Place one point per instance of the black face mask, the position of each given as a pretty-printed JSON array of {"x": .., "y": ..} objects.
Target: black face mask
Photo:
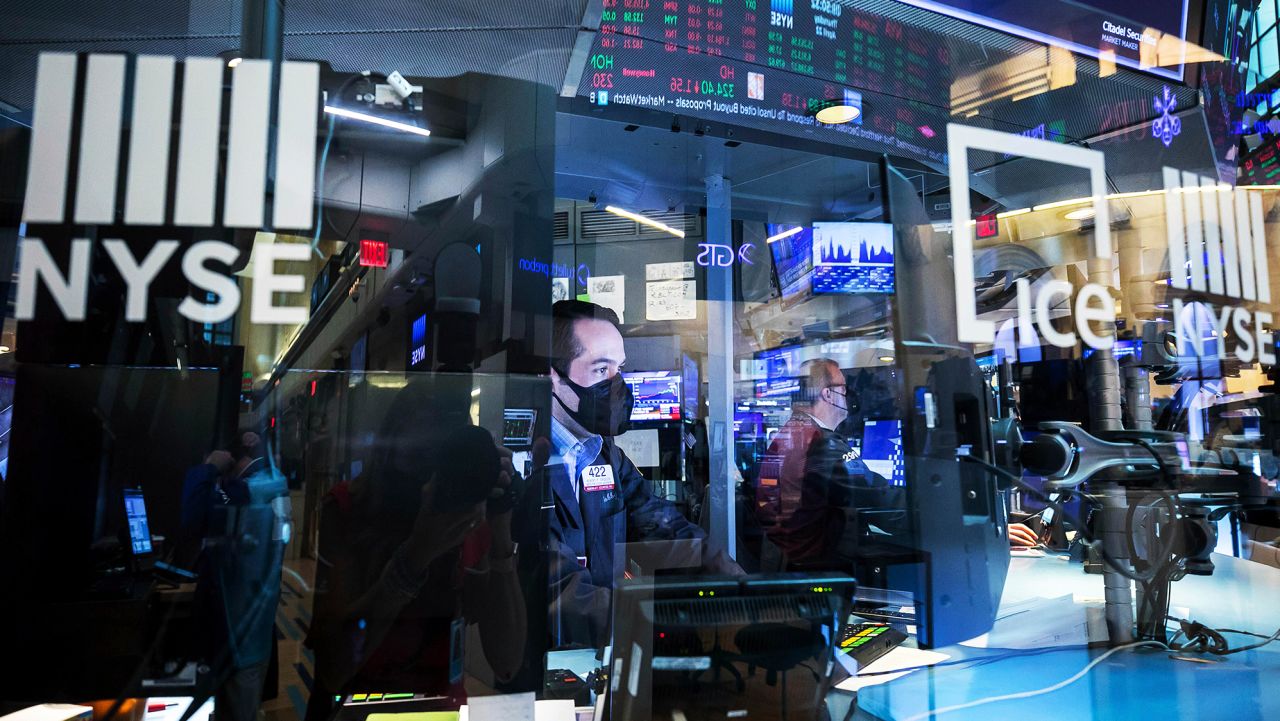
[{"x": 603, "y": 408}]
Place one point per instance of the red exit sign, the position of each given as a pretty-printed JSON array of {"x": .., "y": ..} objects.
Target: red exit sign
[
  {"x": 988, "y": 226},
  {"x": 373, "y": 253}
]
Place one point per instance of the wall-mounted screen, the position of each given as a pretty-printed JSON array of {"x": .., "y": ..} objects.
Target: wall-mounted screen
[
  {"x": 418, "y": 342},
  {"x": 692, "y": 384},
  {"x": 852, "y": 258},
  {"x": 792, "y": 250},
  {"x": 657, "y": 395},
  {"x": 781, "y": 372}
]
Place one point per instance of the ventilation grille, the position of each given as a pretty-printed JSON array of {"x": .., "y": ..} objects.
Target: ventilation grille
[
  {"x": 602, "y": 225},
  {"x": 561, "y": 231}
]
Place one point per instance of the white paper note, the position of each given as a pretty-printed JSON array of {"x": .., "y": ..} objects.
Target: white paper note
[
  {"x": 899, "y": 658},
  {"x": 671, "y": 300},
  {"x": 669, "y": 271},
  {"x": 610, "y": 291},
  {"x": 506, "y": 707},
  {"x": 641, "y": 447}
]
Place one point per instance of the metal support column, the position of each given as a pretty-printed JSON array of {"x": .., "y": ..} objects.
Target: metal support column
[
  {"x": 1103, "y": 379},
  {"x": 719, "y": 371}
]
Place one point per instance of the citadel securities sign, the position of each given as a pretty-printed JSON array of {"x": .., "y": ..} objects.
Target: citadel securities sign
[
  {"x": 1217, "y": 246},
  {"x": 147, "y": 181}
]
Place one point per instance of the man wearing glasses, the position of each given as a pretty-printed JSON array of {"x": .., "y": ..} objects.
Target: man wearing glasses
[{"x": 810, "y": 478}]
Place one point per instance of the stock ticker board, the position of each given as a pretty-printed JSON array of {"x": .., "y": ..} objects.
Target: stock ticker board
[{"x": 768, "y": 63}]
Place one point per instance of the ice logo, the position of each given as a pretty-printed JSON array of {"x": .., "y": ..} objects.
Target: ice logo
[{"x": 1166, "y": 126}]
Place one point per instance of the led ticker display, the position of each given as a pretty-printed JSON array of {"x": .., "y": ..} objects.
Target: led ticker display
[
  {"x": 1262, "y": 166},
  {"x": 769, "y": 64}
]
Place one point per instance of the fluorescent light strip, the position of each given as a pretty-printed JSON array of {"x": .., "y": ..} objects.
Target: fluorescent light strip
[
  {"x": 784, "y": 234},
  {"x": 375, "y": 120},
  {"x": 1011, "y": 213},
  {"x": 644, "y": 221}
]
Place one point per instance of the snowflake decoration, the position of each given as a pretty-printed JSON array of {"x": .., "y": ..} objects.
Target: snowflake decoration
[{"x": 1166, "y": 126}]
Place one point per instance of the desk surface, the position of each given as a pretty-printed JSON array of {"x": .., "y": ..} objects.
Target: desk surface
[{"x": 1131, "y": 684}]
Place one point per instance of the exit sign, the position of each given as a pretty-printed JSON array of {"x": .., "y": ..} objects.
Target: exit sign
[
  {"x": 988, "y": 226},
  {"x": 373, "y": 253}
]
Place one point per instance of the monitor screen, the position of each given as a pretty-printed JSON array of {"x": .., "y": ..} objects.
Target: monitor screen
[
  {"x": 418, "y": 342},
  {"x": 852, "y": 258},
  {"x": 517, "y": 426},
  {"x": 882, "y": 450},
  {"x": 791, "y": 249},
  {"x": 135, "y": 511},
  {"x": 689, "y": 377},
  {"x": 781, "y": 372},
  {"x": 657, "y": 395}
]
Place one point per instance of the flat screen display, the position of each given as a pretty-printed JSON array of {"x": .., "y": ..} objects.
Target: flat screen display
[
  {"x": 792, "y": 254},
  {"x": 135, "y": 511},
  {"x": 517, "y": 426},
  {"x": 852, "y": 258},
  {"x": 418, "y": 342},
  {"x": 882, "y": 450},
  {"x": 689, "y": 377},
  {"x": 781, "y": 371},
  {"x": 657, "y": 395}
]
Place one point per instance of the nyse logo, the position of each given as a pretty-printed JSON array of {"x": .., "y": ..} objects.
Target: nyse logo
[
  {"x": 91, "y": 185},
  {"x": 782, "y": 13},
  {"x": 1217, "y": 244}
]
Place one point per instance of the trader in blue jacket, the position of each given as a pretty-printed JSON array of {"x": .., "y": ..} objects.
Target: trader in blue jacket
[{"x": 600, "y": 498}]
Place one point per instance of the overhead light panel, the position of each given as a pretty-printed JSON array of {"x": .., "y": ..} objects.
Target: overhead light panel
[
  {"x": 642, "y": 220},
  {"x": 375, "y": 120},
  {"x": 1080, "y": 214},
  {"x": 784, "y": 234}
]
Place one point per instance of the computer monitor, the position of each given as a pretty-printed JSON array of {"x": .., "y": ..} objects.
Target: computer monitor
[
  {"x": 135, "y": 511},
  {"x": 517, "y": 426},
  {"x": 657, "y": 395},
  {"x": 853, "y": 258},
  {"x": 791, "y": 249},
  {"x": 685, "y": 646},
  {"x": 882, "y": 450},
  {"x": 692, "y": 385},
  {"x": 781, "y": 372}
]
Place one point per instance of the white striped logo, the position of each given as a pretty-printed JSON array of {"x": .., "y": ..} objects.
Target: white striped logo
[
  {"x": 102, "y": 110},
  {"x": 1217, "y": 242},
  {"x": 1217, "y": 245}
]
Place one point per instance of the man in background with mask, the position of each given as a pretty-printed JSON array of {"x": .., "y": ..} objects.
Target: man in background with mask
[
  {"x": 600, "y": 498},
  {"x": 810, "y": 479}
]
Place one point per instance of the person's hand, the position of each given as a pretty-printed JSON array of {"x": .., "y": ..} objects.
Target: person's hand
[
  {"x": 220, "y": 460},
  {"x": 1022, "y": 536},
  {"x": 435, "y": 532}
]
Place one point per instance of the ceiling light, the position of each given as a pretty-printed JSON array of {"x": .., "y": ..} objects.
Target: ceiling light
[
  {"x": 836, "y": 112},
  {"x": 644, "y": 221},
  {"x": 784, "y": 234},
  {"x": 234, "y": 62},
  {"x": 4, "y": 349},
  {"x": 1080, "y": 214},
  {"x": 886, "y": 359},
  {"x": 475, "y": 392},
  {"x": 375, "y": 120}
]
